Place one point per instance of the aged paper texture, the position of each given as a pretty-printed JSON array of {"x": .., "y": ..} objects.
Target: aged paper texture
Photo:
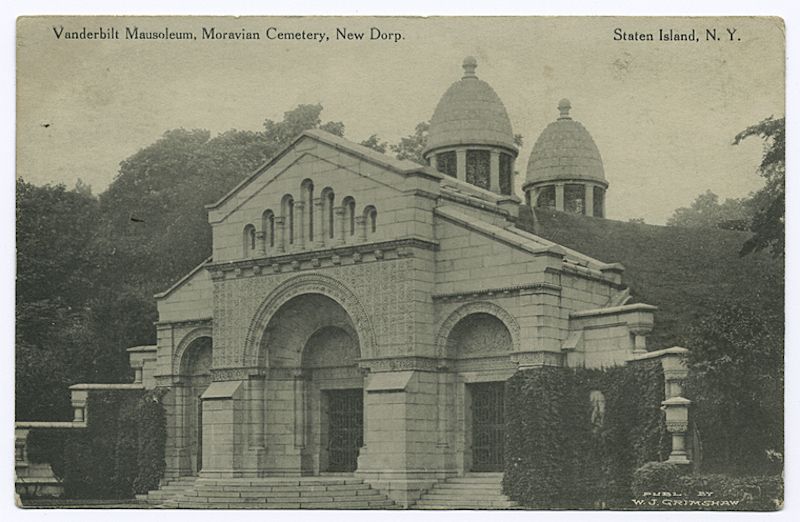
[{"x": 400, "y": 263}]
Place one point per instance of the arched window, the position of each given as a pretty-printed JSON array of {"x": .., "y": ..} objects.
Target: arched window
[
  {"x": 327, "y": 212},
  {"x": 349, "y": 205},
  {"x": 287, "y": 209},
  {"x": 249, "y": 241},
  {"x": 370, "y": 219},
  {"x": 329, "y": 202},
  {"x": 268, "y": 224},
  {"x": 307, "y": 189}
]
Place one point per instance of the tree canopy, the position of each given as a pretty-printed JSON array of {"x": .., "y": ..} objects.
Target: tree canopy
[
  {"x": 769, "y": 203},
  {"x": 707, "y": 212}
]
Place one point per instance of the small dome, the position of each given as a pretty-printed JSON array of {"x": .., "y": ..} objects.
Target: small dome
[
  {"x": 565, "y": 151},
  {"x": 470, "y": 113}
]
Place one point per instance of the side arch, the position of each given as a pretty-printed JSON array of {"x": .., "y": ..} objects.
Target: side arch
[
  {"x": 185, "y": 342},
  {"x": 307, "y": 284},
  {"x": 484, "y": 307}
]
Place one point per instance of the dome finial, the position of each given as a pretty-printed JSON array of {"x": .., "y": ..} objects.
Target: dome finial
[
  {"x": 563, "y": 107},
  {"x": 469, "y": 65}
]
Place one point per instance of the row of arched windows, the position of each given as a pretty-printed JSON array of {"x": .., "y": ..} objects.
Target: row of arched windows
[{"x": 310, "y": 222}]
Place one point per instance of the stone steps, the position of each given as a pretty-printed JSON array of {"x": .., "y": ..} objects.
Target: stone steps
[
  {"x": 335, "y": 492},
  {"x": 473, "y": 491}
]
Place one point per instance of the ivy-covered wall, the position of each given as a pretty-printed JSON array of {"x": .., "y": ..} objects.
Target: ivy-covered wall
[
  {"x": 568, "y": 446},
  {"x": 120, "y": 452}
]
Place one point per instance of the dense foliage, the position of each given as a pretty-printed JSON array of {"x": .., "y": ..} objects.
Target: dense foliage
[
  {"x": 707, "y": 212},
  {"x": 762, "y": 213},
  {"x": 565, "y": 450},
  {"x": 119, "y": 453},
  {"x": 767, "y": 225},
  {"x": 737, "y": 385},
  {"x": 660, "y": 486}
]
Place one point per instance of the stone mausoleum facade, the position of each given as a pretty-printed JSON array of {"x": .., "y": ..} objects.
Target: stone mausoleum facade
[{"x": 359, "y": 314}]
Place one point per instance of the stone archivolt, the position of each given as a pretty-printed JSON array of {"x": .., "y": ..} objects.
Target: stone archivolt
[{"x": 307, "y": 284}]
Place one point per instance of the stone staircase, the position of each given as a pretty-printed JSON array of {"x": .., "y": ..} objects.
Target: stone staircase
[
  {"x": 336, "y": 492},
  {"x": 473, "y": 491},
  {"x": 167, "y": 490}
]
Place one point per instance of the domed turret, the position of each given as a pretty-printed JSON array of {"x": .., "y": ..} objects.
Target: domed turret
[
  {"x": 565, "y": 170},
  {"x": 470, "y": 135}
]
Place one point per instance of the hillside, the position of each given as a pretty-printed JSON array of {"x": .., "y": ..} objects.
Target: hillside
[{"x": 683, "y": 271}]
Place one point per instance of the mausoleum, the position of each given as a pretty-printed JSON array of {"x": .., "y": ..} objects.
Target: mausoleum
[{"x": 360, "y": 314}]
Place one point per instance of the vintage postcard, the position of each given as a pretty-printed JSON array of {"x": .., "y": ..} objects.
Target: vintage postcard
[{"x": 453, "y": 263}]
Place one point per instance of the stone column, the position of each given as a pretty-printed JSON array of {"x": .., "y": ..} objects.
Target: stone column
[
  {"x": 677, "y": 413},
  {"x": 589, "y": 197},
  {"x": 300, "y": 216},
  {"x": 494, "y": 171},
  {"x": 319, "y": 221},
  {"x": 340, "y": 218},
  {"x": 676, "y": 407},
  {"x": 560, "y": 197},
  {"x": 256, "y": 400},
  {"x": 461, "y": 164},
  {"x": 299, "y": 386},
  {"x": 280, "y": 227},
  {"x": 261, "y": 237},
  {"x": 361, "y": 228}
]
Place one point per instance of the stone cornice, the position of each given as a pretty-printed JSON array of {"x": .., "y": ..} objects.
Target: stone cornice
[
  {"x": 403, "y": 362},
  {"x": 508, "y": 291},
  {"x": 207, "y": 321},
  {"x": 311, "y": 259},
  {"x": 585, "y": 275}
]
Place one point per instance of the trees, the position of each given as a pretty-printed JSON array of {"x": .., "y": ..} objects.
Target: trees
[
  {"x": 707, "y": 212},
  {"x": 736, "y": 348},
  {"x": 762, "y": 213},
  {"x": 59, "y": 264},
  {"x": 767, "y": 224},
  {"x": 411, "y": 146},
  {"x": 737, "y": 383}
]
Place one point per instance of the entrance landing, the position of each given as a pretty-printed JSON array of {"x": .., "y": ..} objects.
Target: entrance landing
[{"x": 323, "y": 492}]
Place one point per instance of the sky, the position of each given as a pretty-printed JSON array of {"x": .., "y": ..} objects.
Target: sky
[{"x": 663, "y": 114}]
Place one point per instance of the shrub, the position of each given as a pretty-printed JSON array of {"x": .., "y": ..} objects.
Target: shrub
[
  {"x": 655, "y": 477},
  {"x": 46, "y": 446},
  {"x": 755, "y": 493},
  {"x": 119, "y": 453},
  {"x": 561, "y": 452},
  {"x": 151, "y": 418}
]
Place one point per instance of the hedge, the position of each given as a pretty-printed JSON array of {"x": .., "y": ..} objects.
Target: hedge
[
  {"x": 659, "y": 486},
  {"x": 557, "y": 457},
  {"x": 119, "y": 453}
]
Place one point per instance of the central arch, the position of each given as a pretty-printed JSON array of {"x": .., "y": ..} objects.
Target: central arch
[
  {"x": 254, "y": 355},
  {"x": 314, "y": 389}
]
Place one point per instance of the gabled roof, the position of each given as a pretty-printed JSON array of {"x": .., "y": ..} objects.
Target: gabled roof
[
  {"x": 521, "y": 239},
  {"x": 180, "y": 282},
  {"x": 402, "y": 167}
]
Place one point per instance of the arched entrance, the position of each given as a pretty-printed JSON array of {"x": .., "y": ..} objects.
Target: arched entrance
[
  {"x": 473, "y": 336},
  {"x": 195, "y": 376},
  {"x": 312, "y": 353}
]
